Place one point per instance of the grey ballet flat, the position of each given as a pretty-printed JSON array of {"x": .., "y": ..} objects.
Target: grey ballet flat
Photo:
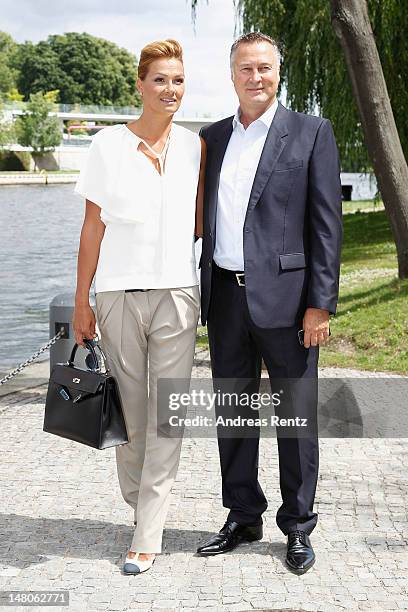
[{"x": 136, "y": 566}]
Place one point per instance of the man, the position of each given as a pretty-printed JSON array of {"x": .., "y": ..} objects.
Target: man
[{"x": 269, "y": 268}]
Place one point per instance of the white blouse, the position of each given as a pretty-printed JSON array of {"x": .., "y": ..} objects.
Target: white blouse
[{"x": 149, "y": 236}]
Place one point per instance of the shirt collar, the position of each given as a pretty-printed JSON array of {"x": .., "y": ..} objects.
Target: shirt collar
[
  {"x": 266, "y": 118},
  {"x": 132, "y": 134},
  {"x": 139, "y": 140}
]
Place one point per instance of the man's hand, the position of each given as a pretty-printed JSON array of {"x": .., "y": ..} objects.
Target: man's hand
[{"x": 316, "y": 326}]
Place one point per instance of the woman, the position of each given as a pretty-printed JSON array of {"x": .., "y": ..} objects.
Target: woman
[{"x": 143, "y": 184}]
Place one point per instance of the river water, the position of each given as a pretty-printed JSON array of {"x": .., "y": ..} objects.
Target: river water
[
  {"x": 39, "y": 238},
  {"x": 40, "y": 227}
]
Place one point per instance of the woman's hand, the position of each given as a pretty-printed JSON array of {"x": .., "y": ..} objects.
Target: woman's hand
[{"x": 83, "y": 322}]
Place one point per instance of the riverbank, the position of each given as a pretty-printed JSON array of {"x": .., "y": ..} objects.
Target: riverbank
[{"x": 41, "y": 178}]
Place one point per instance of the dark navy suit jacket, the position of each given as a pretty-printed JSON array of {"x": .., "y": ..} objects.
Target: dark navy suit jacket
[{"x": 293, "y": 227}]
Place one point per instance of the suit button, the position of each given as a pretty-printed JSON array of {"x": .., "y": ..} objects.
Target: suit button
[
  {"x": 209, "y": 264},
  {"x": 210, "y": 234},
  {"x": 247, "y": 231}
]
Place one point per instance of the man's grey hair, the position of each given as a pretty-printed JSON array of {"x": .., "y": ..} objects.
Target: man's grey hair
[{"x": 254, "y": 37}]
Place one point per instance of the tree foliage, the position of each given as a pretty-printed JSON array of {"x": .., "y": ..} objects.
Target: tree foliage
[
  {"x": 36, "y": 128},
  {"x": 8, "y": 72},
  {"x": 314, "y": 71},
  {"x": 6, "y": 129},
  {"x": 13, "y": 95},
  {"x": 85, "y": 69}
]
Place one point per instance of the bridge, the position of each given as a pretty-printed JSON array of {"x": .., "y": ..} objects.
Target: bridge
[
  {"x": 69, "y": 155},
  {"x": 92, "y": 114}
]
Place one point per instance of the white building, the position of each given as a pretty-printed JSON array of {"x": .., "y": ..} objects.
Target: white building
[{"x": 358, "y": 186}]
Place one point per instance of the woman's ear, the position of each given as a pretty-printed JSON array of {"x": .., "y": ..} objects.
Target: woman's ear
[{"x": 139, "y": 86}]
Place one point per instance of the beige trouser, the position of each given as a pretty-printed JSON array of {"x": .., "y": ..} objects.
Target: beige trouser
[{"x": 146, "y": 336}]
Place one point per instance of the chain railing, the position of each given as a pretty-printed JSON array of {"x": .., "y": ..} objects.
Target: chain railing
[
  {"x": 24, "y": 364},
  {"x": 27, "y": 362}
]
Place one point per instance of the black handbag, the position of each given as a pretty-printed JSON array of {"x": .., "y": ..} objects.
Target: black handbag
[{"x": 85, "y": 405}]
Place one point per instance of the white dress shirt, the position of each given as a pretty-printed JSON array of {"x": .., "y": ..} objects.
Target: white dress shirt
[
  {"x": 149, "y": 236},
  {"x": 238, "y": 170}
]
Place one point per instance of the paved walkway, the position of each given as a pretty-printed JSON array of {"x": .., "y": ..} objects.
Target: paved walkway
[{"x": 64, "y": 525}]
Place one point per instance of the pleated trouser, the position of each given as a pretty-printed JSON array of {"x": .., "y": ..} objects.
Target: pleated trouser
[{"x": 146, "y": 336}]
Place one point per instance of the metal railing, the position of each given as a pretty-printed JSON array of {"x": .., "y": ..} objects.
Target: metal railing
[
  {"x": 199, "y": 350},
  {"x": 98, "y": 109}
]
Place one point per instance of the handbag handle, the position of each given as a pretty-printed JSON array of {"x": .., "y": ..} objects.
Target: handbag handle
[{"x": 91, "y": 349}]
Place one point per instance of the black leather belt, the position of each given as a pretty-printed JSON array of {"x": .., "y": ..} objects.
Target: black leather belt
[
  {"x": 235, "y": 275},
  {"x": 131, "y": 290}
]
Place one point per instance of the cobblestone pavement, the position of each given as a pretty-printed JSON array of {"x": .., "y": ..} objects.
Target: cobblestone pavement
[{"x": 64, "y": 525}]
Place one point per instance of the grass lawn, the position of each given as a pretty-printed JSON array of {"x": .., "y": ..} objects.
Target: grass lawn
[
  {"x": 362, "y": 205},
  {"x": 370, "y": 329}
]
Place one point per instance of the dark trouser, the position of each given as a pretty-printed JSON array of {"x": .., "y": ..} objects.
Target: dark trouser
[{"x": 237, "y": 347}]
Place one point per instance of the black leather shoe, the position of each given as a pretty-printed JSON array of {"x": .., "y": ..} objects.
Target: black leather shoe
[
  {"x": 229, "y": 537},
  {"x": 300, "y": 556}
]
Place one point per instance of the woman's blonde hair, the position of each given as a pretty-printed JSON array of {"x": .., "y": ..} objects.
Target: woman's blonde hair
[{"x": 157, "y": 50}]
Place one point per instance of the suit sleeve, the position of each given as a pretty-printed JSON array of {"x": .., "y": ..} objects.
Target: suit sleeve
[
  {"x": 195, "y": 235},
  {"x": 325, "y": 221},
  {"x": 204, "y": 133}
]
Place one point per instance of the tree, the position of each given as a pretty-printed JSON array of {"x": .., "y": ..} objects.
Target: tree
[
  {"x": 352, "y": 25},
  {"x": 85, "y": 69},
  {"x": 6, "y": 130},
  {"x": 8, "y": 73},
  {"x": 344, "y": 87},
  {"x": 37, "y": 128}
]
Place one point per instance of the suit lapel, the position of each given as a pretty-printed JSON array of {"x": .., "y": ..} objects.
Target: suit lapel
[
  {"x": 274, "y": 144},
  {"x": 220, "y": 146}
]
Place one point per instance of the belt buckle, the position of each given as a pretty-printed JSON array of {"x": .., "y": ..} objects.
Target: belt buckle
[{"x": 238, "y": 277}]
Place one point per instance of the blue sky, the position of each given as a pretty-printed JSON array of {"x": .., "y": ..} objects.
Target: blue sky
[{"x": 132, "y": 24}]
